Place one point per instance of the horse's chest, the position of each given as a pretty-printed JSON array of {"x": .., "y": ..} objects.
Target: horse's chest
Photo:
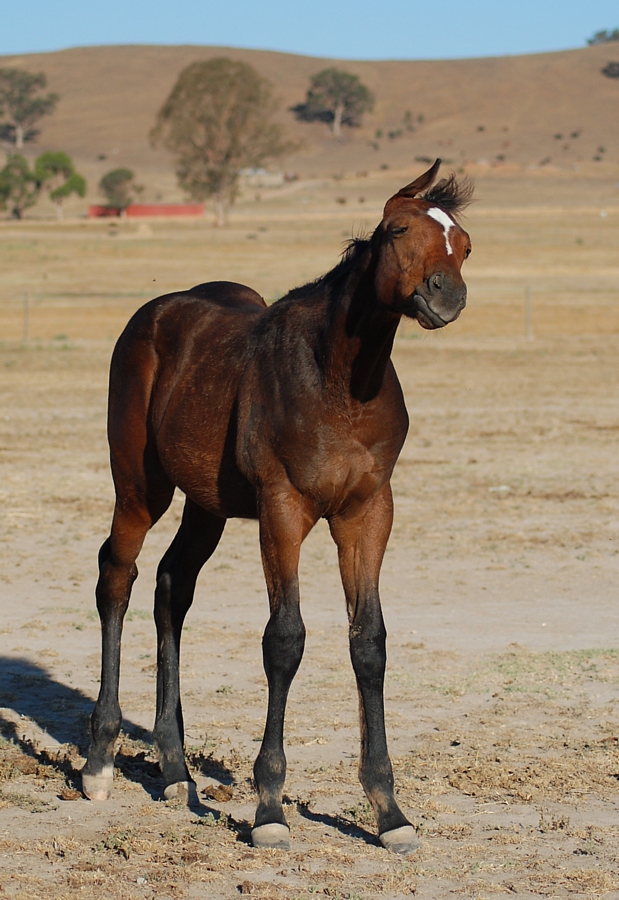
[
  {"x": 351, "y": 474},
  {"x": 334, "y": 469},
  {"x": 332, "y": 453}
]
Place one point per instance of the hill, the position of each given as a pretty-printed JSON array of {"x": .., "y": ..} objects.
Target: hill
[{"x": 552, "y": 109}]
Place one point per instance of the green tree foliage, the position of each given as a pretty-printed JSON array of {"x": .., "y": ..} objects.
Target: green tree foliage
[
  {"x": 337, "y": 97},
  {"x": 217, "y": 121},
  {"x": 603, "y": 37},
  {"x": 56, "y": 173},
  {"x": 119, "y": 188},
  {"x": 21, "y": 105},
  {"x": 19, "y": 188}
]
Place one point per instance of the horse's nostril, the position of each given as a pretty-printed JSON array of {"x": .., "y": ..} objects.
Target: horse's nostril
[{"x": 437, "y": 282}]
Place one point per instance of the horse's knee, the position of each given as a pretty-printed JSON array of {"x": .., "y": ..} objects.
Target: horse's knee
[
  {"x": 368, "y": 652},
  {"x": 284, "y": 641},
  {"x": 114, "y": 583}
]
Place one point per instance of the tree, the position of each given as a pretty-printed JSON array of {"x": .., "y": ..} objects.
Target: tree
[
  {"x": 218, "y": 120},
  {"x": 56, "y": 173},
  {"x": 119, "y": 188},
  {"x": 19, "y": 188},
  {"x": 611, "y": 70},
  {"x": 336, "y": 97},
  {"x": 603, "y": 37},
  {"x": 19, "y": 103}
]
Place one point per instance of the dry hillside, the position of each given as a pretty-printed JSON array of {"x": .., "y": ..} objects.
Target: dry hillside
[{"x": 553, "y": 108}]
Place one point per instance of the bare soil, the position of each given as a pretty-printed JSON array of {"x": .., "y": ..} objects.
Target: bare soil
[{"x": 499, "y": 586}]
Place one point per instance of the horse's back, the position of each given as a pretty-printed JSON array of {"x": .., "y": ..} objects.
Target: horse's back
[{"x": 228, "y": 295}]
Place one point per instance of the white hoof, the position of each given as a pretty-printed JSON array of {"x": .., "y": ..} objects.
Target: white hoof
[
  {"x": 275, "y": 836},
  {"x": 400, "y": 840},
  {"x": 184, "y": 791},
  {"x": 98, "y": 787}
]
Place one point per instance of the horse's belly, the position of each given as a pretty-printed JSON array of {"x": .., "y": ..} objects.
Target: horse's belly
[
  {"x": 233, "y": 504},
  {"x": 228, "y": 495},
  {"x": 206, "y": 471}
]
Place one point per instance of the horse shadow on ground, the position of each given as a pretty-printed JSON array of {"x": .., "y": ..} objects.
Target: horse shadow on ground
[
  {"x": 30, "y": 694},
  {"x": 344, "y": 826}
]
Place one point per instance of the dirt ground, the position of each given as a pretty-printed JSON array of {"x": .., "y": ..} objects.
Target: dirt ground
[{"x": 499, "y": 585}]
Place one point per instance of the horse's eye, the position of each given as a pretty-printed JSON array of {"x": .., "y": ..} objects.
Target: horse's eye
[
  {"x": 399, "y": 229},
  {"x": 467, "y": 253}
]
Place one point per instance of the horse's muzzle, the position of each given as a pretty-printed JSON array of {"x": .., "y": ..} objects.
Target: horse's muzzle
[{"x": 439, "y": 301}]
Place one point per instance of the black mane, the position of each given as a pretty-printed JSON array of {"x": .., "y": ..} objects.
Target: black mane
[
  {"x": 450, "y": 194},
  {"x": 353, "y": 251}
]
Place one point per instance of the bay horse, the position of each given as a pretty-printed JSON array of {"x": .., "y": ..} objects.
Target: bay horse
[{"x": 285, "y": 413}]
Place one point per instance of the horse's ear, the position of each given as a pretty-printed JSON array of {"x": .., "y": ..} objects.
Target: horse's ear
[{"x": 415, "y": 187}]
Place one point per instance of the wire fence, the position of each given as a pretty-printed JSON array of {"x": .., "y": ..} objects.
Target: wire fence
[{"x": 28, "y": 317}]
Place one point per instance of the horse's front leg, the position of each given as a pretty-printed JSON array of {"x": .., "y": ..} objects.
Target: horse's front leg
[
  {"x": 283, "y": 526},
  {"x": 361, "y": 536}
]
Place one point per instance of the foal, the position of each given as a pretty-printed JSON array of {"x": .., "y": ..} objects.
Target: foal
[{"x": 287, "y": 414}]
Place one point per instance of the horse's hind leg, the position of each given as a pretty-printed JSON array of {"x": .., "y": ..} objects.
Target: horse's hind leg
[
  {"x": 194, "y": 543},
  {"x": 361, "y": 537},
  {"x": 117, "y": 571}
]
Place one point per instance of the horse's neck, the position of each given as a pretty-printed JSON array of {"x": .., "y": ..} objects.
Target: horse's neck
[{"x": 361, "y": 337}]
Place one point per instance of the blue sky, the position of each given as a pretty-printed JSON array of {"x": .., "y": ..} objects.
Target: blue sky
[{"x": 345, "y": 29}]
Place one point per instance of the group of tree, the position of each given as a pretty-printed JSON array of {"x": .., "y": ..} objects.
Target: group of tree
[
  {"x": 53, "y": 173},
  {"x": 603, "y": 37},
  {"x": 218, "y": 120},
  {"x": 22, "y": 104}
]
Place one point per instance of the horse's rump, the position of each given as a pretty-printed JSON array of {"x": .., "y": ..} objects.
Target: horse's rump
[{"x": 173, "y": 379}]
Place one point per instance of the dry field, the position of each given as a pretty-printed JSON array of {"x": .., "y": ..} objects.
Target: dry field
[{"x": 499, "y": 585}]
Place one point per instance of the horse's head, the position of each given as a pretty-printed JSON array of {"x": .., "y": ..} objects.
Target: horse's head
[{"x": 421, "y": 249}]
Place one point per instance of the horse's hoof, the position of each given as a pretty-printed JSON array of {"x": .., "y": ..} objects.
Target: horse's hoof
[
  {"x": 98, "y": 787},
  {"x": 275, "y": 836},
  {"x": 184, "y": 791},
  {"x": 400, "y": 840}
]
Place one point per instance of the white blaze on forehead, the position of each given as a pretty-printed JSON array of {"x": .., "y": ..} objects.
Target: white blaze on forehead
[{"x": 443, "y": 219}]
